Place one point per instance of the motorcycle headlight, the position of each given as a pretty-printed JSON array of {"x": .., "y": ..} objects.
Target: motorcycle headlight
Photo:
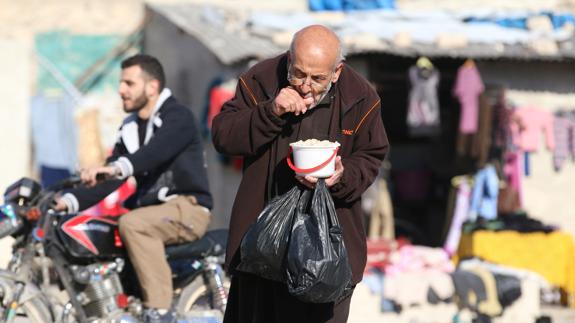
[{"x": 10, "y": 222}]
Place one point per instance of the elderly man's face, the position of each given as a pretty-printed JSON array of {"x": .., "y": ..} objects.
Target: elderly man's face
[{"x": 312, "y": 74}]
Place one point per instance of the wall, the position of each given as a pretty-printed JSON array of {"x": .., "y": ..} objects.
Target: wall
[
  {"x": 190, "y": 69},
  {"x": 15, "y": 143},
  {"x": 548, "y": 195}
]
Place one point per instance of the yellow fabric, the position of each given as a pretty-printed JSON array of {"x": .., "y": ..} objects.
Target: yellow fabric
[{"x": 551, "y": 255}]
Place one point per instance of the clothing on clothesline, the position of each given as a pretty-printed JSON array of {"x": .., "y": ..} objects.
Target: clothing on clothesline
[
  {"x": 512, "y": 171},
  {"x": 564, "y": 132},
  {"x": 381, "y": 224},
  {"x": 54, "y": 131},
  {"x": 535, "y": 121},
  {"x": 423, "y": 111},
  {"x": 468, "y": 87},
  {"x": 484, "y": 195},
  {"x": 526, "y": 163},
  {"x": 459, "y": 216},
  {"x": 218, "y": 96}
]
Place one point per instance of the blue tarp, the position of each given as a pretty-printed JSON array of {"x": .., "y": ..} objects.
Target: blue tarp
[
  {"x": 347, "y": 5},
  {"x": 423, "y": 28},
  {"x": 520, "y": 22}
]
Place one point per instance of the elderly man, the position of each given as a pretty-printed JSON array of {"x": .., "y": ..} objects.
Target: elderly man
[{"x": 308, "y": 92}]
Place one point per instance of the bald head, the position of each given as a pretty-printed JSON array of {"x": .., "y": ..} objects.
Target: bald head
[
  {"x": 314, "y": 62},
  {"x": 316, "y": 42}
]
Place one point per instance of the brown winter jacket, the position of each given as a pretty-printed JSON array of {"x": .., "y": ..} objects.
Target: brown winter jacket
[{"x": 247, "y": 127}]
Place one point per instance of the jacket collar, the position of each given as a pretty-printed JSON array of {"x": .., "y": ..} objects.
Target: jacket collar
[
  {"x": 155, "y": 118},
  {"x": 129, "y": 130},
  {"x": 347, "y": 88}
]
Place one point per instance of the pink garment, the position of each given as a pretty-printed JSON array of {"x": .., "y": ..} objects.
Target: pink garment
[
  {"x": 417, "y": 259},
  {"x": 535, "y": 121},
  {"x": 468, "y": 87}
]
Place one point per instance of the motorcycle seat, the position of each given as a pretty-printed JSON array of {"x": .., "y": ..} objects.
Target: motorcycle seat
[{"x": 213, "y": 243}]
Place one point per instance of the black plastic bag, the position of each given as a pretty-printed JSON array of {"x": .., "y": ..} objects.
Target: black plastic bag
[
  {"x": 318, "y": 270},
  {"x": 264, "y": 245}
]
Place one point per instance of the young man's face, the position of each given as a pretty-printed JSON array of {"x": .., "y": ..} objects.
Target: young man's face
[{"x": 133, "y": 89}]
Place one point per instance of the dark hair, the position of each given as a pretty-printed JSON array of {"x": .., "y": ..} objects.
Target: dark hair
[{"x": 148, "y": 64}]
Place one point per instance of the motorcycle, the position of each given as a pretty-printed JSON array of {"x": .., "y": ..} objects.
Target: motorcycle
[{"x": 74, "y": 268}]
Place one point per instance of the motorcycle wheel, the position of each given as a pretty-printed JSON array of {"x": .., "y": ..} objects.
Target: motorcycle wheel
[
  {"x": 32, "y": 310},
  {"x": 197, "y": 296}
]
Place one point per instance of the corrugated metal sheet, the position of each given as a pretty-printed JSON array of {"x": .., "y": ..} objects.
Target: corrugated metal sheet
[
  {"x": 476, "y": 51},
  {"x": 229, "y": 47},
  {"x": 255, "y": 34}
]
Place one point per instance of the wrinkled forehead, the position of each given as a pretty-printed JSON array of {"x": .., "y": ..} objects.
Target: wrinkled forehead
[{"x": 313, "y": 61}]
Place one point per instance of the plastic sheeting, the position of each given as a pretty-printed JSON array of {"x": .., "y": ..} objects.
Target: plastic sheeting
[{"x": 322, "y": 5}]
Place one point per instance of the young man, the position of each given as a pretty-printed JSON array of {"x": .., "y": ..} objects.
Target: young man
[
  {"x": 305, "y": 93},
  {"x": 160, "y": 145}
]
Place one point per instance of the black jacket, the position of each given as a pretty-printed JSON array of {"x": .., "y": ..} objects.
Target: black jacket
[{"x": 172, "y": 162}]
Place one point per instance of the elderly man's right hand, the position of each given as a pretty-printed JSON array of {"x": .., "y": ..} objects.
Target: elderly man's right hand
[{"x": 289, "y": 100}]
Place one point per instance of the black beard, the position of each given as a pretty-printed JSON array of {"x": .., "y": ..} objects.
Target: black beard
[{"x": 139, "y": 103}]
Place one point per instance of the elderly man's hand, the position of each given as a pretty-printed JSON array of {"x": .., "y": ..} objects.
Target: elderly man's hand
[
  {"x": 309, "y": 181},
  {"x": 289, "y": 100}
]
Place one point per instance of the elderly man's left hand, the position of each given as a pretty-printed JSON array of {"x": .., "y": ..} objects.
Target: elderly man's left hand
[{"x": 310, "y": 181}]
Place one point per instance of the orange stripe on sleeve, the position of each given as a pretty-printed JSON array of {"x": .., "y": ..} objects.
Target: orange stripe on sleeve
[
  {"x": 249, "y": 91},
  {"x": 365, "y": 116}
]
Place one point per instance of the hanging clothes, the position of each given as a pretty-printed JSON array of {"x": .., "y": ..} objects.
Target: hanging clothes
[
  {"x": 459, "y": 216},
  {"x": 423, "y": 110},
  {"x": 54, "y": 134},
  {"x": 381, "y": 224},
  {"x": 535, "y": 121},
  {"x": 484, "y": 196},
  {"x": 512, "y": 170},
  {"x": 564, "y": 133},
  {"x": 218, "y": 96},
  {"x": 468, "y": 87}
]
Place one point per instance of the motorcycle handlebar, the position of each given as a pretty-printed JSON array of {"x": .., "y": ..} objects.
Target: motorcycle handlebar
[
  {"x": 69, "y": 182},
  {"x": 76, "y": 180},
  {"x": 101, "y": 177}
]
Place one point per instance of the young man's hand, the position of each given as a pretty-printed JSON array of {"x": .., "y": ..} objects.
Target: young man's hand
[
  {"x": 88, "y": 175},
  {"x": 60, "y": 206}
]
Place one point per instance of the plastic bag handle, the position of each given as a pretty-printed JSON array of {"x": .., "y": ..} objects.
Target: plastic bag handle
[{"x": 309, "y": 170}]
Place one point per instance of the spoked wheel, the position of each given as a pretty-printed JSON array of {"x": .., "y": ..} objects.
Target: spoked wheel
[
  {"x": 33, "y": 310},
  {"x": 198, "y": 299}
]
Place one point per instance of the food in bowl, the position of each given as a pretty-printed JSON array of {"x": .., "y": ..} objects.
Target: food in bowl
[{"x": 315, "y": 143}]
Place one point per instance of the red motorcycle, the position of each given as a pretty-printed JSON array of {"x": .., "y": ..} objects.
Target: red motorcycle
[{"x": 74, "y": 268}]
